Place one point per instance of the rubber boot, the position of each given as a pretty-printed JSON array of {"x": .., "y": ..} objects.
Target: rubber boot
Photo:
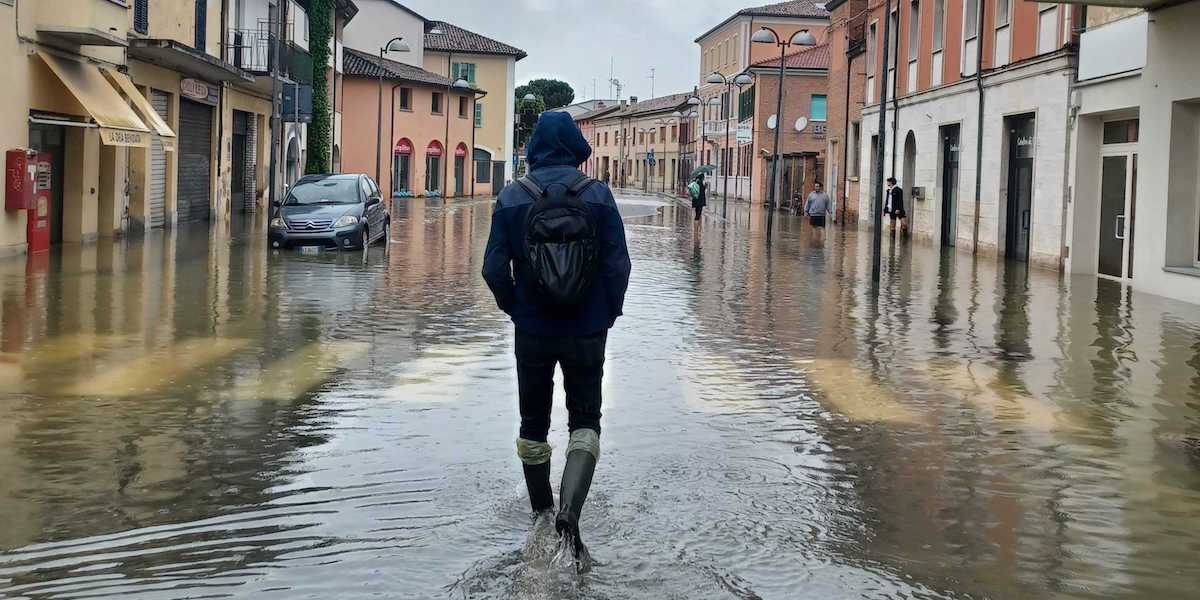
[
  {"x": 537, "y": 481},
  {"x": 576, "y": 481}
]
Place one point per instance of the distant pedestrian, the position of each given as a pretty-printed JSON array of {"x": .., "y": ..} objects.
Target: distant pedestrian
[
  {"x": 818, "y": 207},
  {"x": 894, "y": 206},
  {"x": 698, "y": 189},
  {"x": 557, "y": 263}
]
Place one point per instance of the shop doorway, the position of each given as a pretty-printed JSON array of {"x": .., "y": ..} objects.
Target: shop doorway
[
  {"x": 497, "y": 177},
  {"x": 1118, "y": 198},
  {"x": 195, "y": 162},
  {"x": 1019, "y": 212},
  {"x": 51, "y": 139},
  {"x": 950, "y": 152},
  {"x": 242, "y": 186}
]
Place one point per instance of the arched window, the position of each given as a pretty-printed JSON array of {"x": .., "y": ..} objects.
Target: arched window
[
  {"x": 402, "y": 166},
  {"x": 433, "y": 166},
  {"x": 483, "y": 165}
]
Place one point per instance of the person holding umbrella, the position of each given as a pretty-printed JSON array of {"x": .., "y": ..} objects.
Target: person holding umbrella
[{"x": 698, "y": 190}]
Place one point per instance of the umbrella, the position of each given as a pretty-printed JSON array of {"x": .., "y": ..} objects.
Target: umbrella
[{"x": 703, "y": 170}]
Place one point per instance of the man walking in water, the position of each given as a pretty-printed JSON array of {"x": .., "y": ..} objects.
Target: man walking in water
[
  {"x": 818, "y": 207},
  {"x": 557, "y": 263}
]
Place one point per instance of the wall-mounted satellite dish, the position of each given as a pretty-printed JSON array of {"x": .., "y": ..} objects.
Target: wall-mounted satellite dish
[
  {"x": 771, "y": 121},
  {"x": 801, "y": 123}
]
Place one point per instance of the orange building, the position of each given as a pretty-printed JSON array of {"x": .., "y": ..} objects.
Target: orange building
[{"x": 425, "y": 134}]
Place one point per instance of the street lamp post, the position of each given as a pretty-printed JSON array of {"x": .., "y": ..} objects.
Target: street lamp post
[
  {"x": 527, "y": 98},
  {"x": 664, "y": 123},
  {"x": 475, "y": 96},
  {"x": 396, "y": 44},
  {"x": 741, "y": 79},
  {"x": 766, "y": 35}
]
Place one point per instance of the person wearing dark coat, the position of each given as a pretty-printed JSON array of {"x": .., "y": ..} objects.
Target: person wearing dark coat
[
  {"x": 699, "y": 202},
  {"x": 895, "y": 205},
  {"x": 576, "y": 342}
]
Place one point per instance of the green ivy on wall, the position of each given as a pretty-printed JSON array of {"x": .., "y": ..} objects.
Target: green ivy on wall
[{"x": 320, "y": 131}]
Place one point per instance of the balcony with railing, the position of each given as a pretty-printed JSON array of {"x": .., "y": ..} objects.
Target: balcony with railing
[{"x": 255, "y": 48}]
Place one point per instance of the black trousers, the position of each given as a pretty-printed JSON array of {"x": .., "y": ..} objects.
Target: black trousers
[{"x": 582, "y": 361}]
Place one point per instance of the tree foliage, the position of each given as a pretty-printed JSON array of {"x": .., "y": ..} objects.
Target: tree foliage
[
  {"x": 528, "y": 112},
  {"x": 555, "y": 93},
  {"x": 320, "y": 131}
]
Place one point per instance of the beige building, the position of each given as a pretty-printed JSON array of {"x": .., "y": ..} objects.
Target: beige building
[
  {"x": 454, "y": 52},
  {"x": 146, "y": 114},
  {"x": 639, "y": 145}
]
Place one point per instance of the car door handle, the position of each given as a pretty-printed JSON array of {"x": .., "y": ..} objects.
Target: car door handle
[{"x": 1120, "y": 227}]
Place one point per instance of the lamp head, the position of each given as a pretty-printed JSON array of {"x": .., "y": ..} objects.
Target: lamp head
[
  {"x": 743, "y": 79},
  {"x": 715, "y": 78},
  {"x": 462, "y": 84},
  {"x": 529, "y": 98},
  {"x": 397, "y": 45},
  {"x": 804, "y": 38},
  {"x": 764, "y": 36},
  {"x": 694, "y": 101}
]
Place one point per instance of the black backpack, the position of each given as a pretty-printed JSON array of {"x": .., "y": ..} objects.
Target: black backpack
[{"x": 562, "y": 248}]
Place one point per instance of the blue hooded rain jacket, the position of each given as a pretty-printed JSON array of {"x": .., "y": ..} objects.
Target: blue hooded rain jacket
[{"x": 554, "y": 154}]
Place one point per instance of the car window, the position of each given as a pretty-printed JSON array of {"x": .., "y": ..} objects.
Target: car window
[
  {"x": 374, "y": 187},
  {"x": 366, "y": 187},
  {"x": 324, "y": 191}
]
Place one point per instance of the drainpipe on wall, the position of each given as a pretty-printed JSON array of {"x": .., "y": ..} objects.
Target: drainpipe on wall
[
  {"x": 1064, "y": 251},
  {"x": 978, "y": 128}
]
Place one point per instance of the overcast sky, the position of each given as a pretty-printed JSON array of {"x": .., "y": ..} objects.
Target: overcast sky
[{"x": 574, "y": 40}]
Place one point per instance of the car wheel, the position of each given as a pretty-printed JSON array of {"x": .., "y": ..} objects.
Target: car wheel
[{"x": 364, "y": 238}]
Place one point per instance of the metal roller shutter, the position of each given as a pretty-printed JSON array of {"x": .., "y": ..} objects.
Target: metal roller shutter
[
  {"x": 157, "y": 201},
  {"x": 195, "y": 162}
]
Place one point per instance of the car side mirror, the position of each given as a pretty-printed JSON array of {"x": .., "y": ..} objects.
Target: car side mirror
[
  {"x": 372, "y": 201},
  {"x": 276, "y": 203}
]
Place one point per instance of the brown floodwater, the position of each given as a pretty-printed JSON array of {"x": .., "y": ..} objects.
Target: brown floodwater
[{"x": 193, "y": 415}]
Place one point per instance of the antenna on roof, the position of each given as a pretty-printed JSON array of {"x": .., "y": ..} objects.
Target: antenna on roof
[{"x": 651, "y": 82}]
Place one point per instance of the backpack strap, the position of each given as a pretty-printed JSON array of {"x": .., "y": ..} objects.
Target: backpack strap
[
  {"x": 581, "y": 184},
  {"x": 532, "y": 187}
]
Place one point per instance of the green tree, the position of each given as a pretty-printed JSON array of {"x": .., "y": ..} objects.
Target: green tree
[
  {"x": 527, "y": 115},
  {"x": 320, "y": 131},
  {"x": 555, "y": 93}
]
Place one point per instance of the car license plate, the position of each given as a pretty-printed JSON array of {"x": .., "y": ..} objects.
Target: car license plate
[{"x": 310, "y": 249}]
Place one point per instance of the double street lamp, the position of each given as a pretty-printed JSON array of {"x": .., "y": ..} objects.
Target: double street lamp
[
  {"x": 663, "y": 135},
  {"x": 766, "y": 35},
  {"x": 740, "y": 80},
  {"x": 396, "y": 44},
  {"x": 690, "y": 116}
]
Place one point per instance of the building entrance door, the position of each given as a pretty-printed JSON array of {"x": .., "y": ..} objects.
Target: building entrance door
[
  {"x": 950, "y": 146},
  {"x": 1118, "y": 185},
  {"x": 1021, "y": 150},
  {"x": 460, "y": 173}
]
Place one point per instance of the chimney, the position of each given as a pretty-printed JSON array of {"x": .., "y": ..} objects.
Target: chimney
[
  {"x": 622, "y": 104},
  {"x": 633, "y": 99}
]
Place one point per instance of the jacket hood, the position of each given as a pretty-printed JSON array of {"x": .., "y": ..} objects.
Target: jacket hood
[{"x": 557, "y": 142}]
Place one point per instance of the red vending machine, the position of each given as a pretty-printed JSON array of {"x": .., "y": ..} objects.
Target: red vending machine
[
  {"x": 38, "y": 215},
  {"x": 19, "y": 173}
]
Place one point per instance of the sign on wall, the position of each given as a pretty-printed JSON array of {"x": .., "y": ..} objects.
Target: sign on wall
[{"x": 200, "y": 91}]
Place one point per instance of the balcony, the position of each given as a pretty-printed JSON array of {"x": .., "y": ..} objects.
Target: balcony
[
  {"x": 251, "y": 50},
  {"x": 856, "y": 35}
]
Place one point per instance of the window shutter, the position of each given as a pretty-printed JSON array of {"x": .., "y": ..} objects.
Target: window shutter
[
  {"x": 201, "y": 24},
  {"x": 478, "y": 115},
  {"x": 141, "y": 16}
]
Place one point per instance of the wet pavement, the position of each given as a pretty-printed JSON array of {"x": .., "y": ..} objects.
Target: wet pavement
[{"x": 184, "y": 417}]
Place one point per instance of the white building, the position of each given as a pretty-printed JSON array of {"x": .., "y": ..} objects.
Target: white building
[
  {"x": 1135, "y": 165},
  {"x": 1006, "y": 196}
]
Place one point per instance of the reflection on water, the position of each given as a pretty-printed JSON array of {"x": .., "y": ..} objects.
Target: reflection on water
[{"x": 181, "y": 416}]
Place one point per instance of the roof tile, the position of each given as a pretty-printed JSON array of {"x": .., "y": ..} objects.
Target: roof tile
[
  {"x": 456, "y": 39},
  {"x": 816, "y": 57},
  {"x": 361, "y": 64}
]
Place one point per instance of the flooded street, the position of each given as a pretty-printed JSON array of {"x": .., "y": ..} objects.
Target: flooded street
[{"x": 185, "y": 417}]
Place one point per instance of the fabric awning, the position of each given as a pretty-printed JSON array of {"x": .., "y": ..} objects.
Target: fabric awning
[
  {"x": 142, "y": 106},
  {"x": 119, "y": 124}
]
